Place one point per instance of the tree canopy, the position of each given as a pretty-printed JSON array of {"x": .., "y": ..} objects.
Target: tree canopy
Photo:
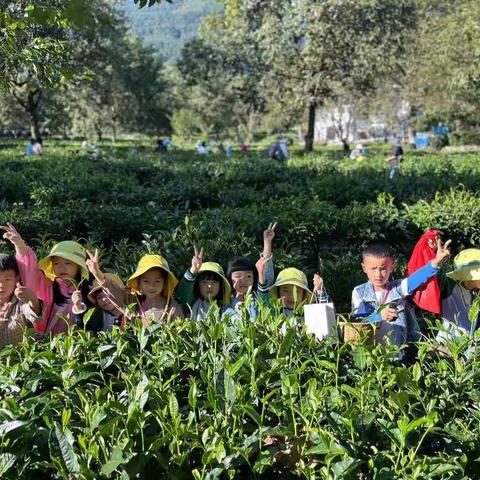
[{"x": 255, "y": 66}]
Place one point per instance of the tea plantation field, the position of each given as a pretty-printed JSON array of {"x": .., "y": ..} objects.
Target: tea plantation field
[
  {"x": 206, "y": 400},
  {"x": 326, "y": 209}
]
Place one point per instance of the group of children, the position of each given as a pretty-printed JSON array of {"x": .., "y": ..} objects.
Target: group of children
[{"x": 57, "y": 292}]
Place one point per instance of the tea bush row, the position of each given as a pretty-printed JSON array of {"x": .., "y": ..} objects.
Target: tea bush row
[{"x": 210, "y": 400}]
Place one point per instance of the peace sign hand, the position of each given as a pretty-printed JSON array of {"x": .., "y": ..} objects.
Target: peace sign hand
[
  {"x": 268, "y": 236},
  {"x": 443, "y": 252},
  {"x": 269, "y": 232},
  {"x": 197, "y": 261},
  {"x": 93, "y": 264}
]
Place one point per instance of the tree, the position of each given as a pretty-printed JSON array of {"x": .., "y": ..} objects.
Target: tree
[
  {"x": 444, "y": 75},
  {"x": 311, "y": 49},
  {"x": 300, "y": 53},
  {"x": 226, "y": 69},
  {"x": 221, "y": 88},
  {"x": 48, "y": 44},
  {"x": 126, "y": 91},
  {"x": 98, "y": 77}
]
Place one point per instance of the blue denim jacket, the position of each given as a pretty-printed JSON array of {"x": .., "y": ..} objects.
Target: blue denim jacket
[{"x": 365, "y": 304}]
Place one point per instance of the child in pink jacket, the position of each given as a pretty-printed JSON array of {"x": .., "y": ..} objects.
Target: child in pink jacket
[{"x": 55, "y": 279}]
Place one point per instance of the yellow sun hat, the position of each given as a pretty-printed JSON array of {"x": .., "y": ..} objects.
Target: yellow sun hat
[
  {"x": 113, "y": 279},
  {"x": 68, "y": 250},
  {"x": 216, "y": 268},
  {"x": 292, "y": 276},
  {"x": 146, "y": 263},
  {"x": 466, "y": 265}
]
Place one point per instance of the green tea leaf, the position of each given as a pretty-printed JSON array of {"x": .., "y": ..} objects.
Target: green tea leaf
[
  {"x": 173, "y": 405},
  {"x": 87, "y": 316},
  {"x": 9, "y": 426},
  {"x": 62, "y": 452},
  {"x": 7, "y": 460},
  {"x": 192, "y": 393},
  {"x": 119, "y": 456}
]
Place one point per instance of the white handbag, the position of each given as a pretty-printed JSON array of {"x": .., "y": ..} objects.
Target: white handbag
[{"x": 321, "y": 320}]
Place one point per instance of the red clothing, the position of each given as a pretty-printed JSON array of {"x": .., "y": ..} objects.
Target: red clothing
[{"x": 428, "y": 296}]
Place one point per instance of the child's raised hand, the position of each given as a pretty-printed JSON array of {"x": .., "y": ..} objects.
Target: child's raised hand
[
  {"x": 317, "y": 283},
  {"x": 28, "y": 296},
  {"x": 261, "y": 265},
  {"x": 269, "y": 232},
  {"x": 93, "y": 264},
  {"x": 11, "y": 234},
  {"x": 268, "y": 236},
  {"x": 443, "y": 252},
  {"x": 197, "y": 261}
]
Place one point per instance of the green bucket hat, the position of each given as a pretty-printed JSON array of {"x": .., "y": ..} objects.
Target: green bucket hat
[
  {"x": 68, "y": 250},
  {"x": 216, "y": 268},
  {"x": 292, "y": 276},
  {"x": 466, "y": 265}
]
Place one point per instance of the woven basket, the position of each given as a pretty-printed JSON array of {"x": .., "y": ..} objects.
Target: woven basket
[{"x": 355, "y": 332}]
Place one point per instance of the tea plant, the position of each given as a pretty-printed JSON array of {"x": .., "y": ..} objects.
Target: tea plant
[
  {"x": 235, "y": 399},
  {"x": 326, "y": 208}
]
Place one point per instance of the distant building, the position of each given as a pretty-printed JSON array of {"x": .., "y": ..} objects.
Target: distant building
[{"x": 334, "y": 123}]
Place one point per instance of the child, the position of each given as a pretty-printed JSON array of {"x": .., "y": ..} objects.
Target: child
[
  {"x": 53, "y": 279},
  {"x": 291, "y": 288},
  {"x": 450, "y": 295},
  {"x": 108, "y": 299},
  {"x": 243, "y": 276},
  {"x": 383, "y": 301},
  {"x": 202, "y": 284},
  {"x": 19, "y": 306},
  {"x": 459, "y": 290},
  {"x": 151, "y": 288}
]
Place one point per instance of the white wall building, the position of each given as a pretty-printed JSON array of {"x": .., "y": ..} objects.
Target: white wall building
[{"x": 334, "y": 123}]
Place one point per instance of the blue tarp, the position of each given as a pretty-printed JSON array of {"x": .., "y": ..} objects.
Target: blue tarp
[{"x": 422, "y": 140}]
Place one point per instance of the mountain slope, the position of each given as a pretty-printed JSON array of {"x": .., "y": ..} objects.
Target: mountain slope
[{"x": 166, "y": 27}]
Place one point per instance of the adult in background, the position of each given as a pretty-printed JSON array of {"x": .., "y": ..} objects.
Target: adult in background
[
  {"x": 357, "y": 152},
  {"x": 160, "y": 147},
  {"x": 87, "y": 144},
  {"x": 397, "y": 149},
  {"x": 29, "y": 149},
  {"x": 167, "y": 143},
  {"x": 279, "y": 150},
  {"x": 202, "y": 148},
  {"x": 393, "y": 163},
  {"x": 346, "y": 148},
  {"x": 38, "y": 147}
]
